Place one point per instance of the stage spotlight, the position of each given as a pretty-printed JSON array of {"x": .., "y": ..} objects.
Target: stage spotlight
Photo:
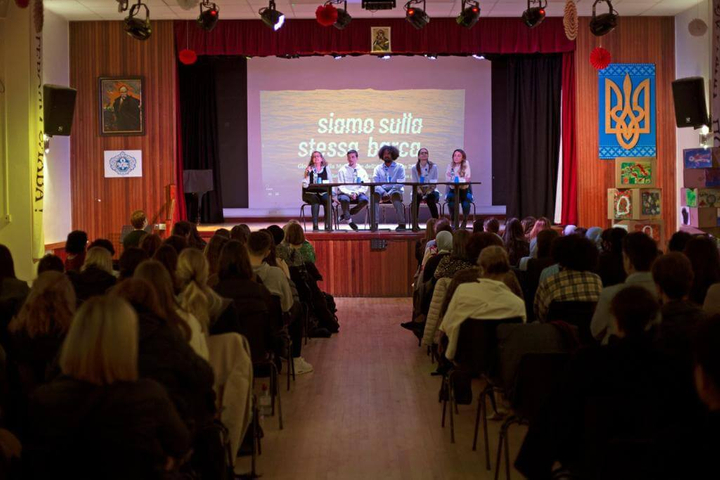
[
  {"x": 469, "y": 15},
  {"x": 209, "y": 16},
  {"x": 604, "y": 23},
  {"x": 384, "y": 57},
  {"x": 135, "y": 27},
  {"x": 478, "y": 57},
  {"x": 343, "y": 19},
  {"x": 338, "y": 57},
  {"x": 431, "y": 57},
  {"x": 534, "y": 16},
  {"x": 416, "y": 16},
  {"x": 271, "y": 17}
]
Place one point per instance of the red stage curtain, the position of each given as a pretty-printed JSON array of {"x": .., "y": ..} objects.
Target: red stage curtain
[
  {"x": 440, "y": 36},
  {"x": 180, "y": 212},
  {"x": 569, "y": 214}
]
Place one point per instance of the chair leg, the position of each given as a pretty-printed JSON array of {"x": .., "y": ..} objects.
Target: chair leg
[
  {"x": 488, "y": 466},
  {"x": 477, "y": 421},
  {"x": 302, "y": 217},
  {"x": 276, "y": 391},
  {"x": 444, "y": 400},
  {"x": 499, "y": 453},
  {"x": 507, "y": 452},
  {"x": 290, "y": 363},
  {"x": 452, "y": 417}
]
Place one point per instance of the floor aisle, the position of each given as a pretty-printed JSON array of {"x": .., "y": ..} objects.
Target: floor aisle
[{"x": 370, "y": 410}]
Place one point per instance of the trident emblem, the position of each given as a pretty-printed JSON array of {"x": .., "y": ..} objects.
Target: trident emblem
[{"x": 630, "y": 118}]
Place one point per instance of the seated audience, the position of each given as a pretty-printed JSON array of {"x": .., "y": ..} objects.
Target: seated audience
[
  {"x": 543, "y": 259},
  {"x": 594, "y": 234},
  {"x": 458, "y": 259},
  {"x": 75, "y": 248},
  {"x": 624, "y": 376},
  {"x": 274, "y": 260},
  {"x": 442, "y": 294},
  {"x": 443, "y": 248},
  {"x": 104, "y": 243},
  {"x": 515, "y": 243},
  {"x": 575, "y": 280},
  {"x": 190, "y": 232},
  {"x": 129, "y": 261},
  {"x": 639, "y": 251},
  {"x": 610, "y": 261},
  {"x": 187, "y": 325},
  {"x": 488, "y": 298},
  {"x": 196, "y": 297},
  {"x": 169, "y": 257},
  {"x": 240, "y": 233},
  {"x": 678, "y": 241},
  {"x": 100, "y": 419},
  {"x": 223, "y": 232},
  {"x": 542, "y": 223},
  {"x": 150, "y": 244},
  {"x": 527, "y": 224},
  {"x": 491, "y": 225},
  {"x": 431, "y": 249},
  {"x": 703, "y": 255},
  {"x": 12, "y": 293},
  {"x": 177, "y": 242},
  {"x": 139, "y": 222},
  {"x": 212, "y": 254},
  {"x": 49, "y": 263},
  {"x": 422, "y": 243},
  {"x": 272, "y": 277},
  {"x": 96, "y": 276}
]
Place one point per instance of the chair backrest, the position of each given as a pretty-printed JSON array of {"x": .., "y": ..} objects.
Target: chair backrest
[
  {"x": 575, "y": 313},
  {"x": 538, "y": 377},
  {"x": 256, "y": 325},
  {"x": 477, "y": 344}
]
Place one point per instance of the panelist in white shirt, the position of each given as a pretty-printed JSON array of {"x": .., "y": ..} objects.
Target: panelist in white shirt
[
  {"x": 426, "y": 171},
  {"x": 346, "y": 194}
]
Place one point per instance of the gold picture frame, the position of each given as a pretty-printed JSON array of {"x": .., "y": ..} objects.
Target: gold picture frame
[{"x": 380, "y": 40}]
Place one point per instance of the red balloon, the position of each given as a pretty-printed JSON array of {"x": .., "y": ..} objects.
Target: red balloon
[
  {"x": 600, "y": 58},
  {"x": 326, "y": 15},
  {"x": 22, "y": 3},
  {"x": 187, "y": 56}
]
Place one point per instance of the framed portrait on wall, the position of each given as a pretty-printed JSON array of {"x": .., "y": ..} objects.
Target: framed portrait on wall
[
  {"x": 380, "y": 40},
  {"x": 121, "y": 106}
]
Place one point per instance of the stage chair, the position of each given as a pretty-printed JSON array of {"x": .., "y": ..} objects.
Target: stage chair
[
  {"x": 337, "y": 213},
  {"x": 472, "y": 206},
  {"x": 578, "y": 314},
  {"x": 333, "y": 213},
  {"x": 384, "y": 204},
  {"x": 477, "y": 353},
  {"x": 538, "y": 376}
]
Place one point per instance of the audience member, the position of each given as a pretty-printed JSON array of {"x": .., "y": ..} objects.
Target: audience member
[
  {"x": 703, "y": 255},
  {"x": 444, "y": 241},
  {"x": 420, "y": 244},
  {"x": 543, "y": 259},
  {"x": 96, "y": 276},
  {"x": 458, "y": 259},
  {"x": 639, "y": 252},
  {"x": 594, "y": 234},
  {"x": 104, "y": 243},
  {"x": 581, "y": 232},
  {"x": 272, "y": 277},
  {"x": 569, "y": 230},
  {"x": 100, "y": 416},
  {"x": 12, "y": 293},
  {"x": 487, "y": 298},
  {"x": 575, "y": 280},
  {"x": 196, "y": 297},
  {"x": 272, "y": 258},
  {"x": 290, "y": 250},
  {"x": 169, "y": 257},
  {"x": 478, "y": 242},
  {"x": 678, "y": 241},
  {"x": 139, "y": 222},
  {"x": 542, "y": 223},
  {"x": 150, "y": 244},
  {"x": 177, "y": 242},
  {"x": 186, "y": 324},
  {"x": 129, "y": 260},
  {"x": 240, "y": 233},
  {"x": 610, "y": 262},
  {"x": 223, "y": 232},
  {"x": 75, "y": 249},
  {"x": 212, "y": 254},
  {"x": 478, "y": 226},
  {"x": 190, "y": 232},
  {"x": 515, "y": 243},
  {"x": 442, "y": 294},
  {"x": 491, "y": 225},
  {"x": 49, "y": 263},
  {"x": 492, "y": 262},
  {"x": 527, "y": 224}
]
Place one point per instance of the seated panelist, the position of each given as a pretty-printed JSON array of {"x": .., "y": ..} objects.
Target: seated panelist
[{"x": 346, "y": 194}]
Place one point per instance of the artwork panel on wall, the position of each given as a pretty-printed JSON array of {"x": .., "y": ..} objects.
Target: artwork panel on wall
[
  {"x": 123, "y": 163},
  {"x": 627, "y": 124},
  {"x": 635, "y": 172},
  {"x": 701, "y": 177},
  {"x": 634, "y": 203},
  {"x": 121, "y": 110},
  {"x": 698, "y": 158},
  {"x": 653, "y": 229}
]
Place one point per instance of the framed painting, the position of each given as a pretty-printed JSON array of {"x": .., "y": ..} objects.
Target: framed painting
[
  {"x": 635, "y": 172},
  {"x": 698, "y": 158},
  {"x": 121, "y": 106},
  {"x": 380, "y": 40}
]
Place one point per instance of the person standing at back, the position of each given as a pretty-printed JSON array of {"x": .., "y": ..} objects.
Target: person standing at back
[
  {"x": 139, "y": 222},
  {"x": 352, "y": 173}
]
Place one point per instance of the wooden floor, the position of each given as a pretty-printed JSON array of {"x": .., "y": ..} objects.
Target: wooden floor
[{"x": 370, "y": 409}]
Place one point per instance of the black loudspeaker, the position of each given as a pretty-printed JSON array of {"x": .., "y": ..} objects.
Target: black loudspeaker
[
  {"x": 58, "y": 106},
  {"x": 690, "y": 107}
]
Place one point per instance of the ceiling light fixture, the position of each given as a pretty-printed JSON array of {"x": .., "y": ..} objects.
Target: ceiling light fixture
[
  {"x": 478, "y": 57},
  {"x": 344, "y": 17},
  {"x": 534, "y": 16},
  {"x": 469, "y": 14},
  {"x": 604, "y": 23},
  {"x": 271, "y": 17},
  {"x": 209, "y": 15},
  {"x": 135, "y": 27},
  {"x": 431, "y": 56},
  {"x": 416, "y": 16}
]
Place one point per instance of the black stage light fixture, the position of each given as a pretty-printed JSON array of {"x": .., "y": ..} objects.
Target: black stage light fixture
[
  {"x": 604, "y": 23},
  {"x": 469, "y": 14},
  {"x": 416, "y": 16},
  {"x": 534, "y": 16},
  {"x": 209, "y": 15},
  {"x": 343, "y": 19},
  {"x": 374, "y": 5},
  {"x": 271, "y": 17},
  {"x": 135, "y": 27}
]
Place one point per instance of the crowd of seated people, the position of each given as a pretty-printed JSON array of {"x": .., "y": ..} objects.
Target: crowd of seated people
[
  {"x": 145, "y": 368},
  {"x": 637, "y": 325}
]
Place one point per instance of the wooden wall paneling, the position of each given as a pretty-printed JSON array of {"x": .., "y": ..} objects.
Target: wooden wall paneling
[
  {"x": 102, "y": 206},
  {"x": 635, "y": 40}
]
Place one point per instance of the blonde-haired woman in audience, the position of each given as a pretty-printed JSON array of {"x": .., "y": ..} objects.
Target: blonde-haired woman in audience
[
  {"x": 187, "y": 325},
  {"x": 99, "y": 419},
  {"x": 37, "y": 332},
  {"x": 95, "y": 276},
  {"x": 196, "y": 297}
]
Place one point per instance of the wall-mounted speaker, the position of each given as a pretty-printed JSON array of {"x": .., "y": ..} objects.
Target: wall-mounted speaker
[
  {"x": 58, "y": 109},
  {"x": 690, "y": 106}
]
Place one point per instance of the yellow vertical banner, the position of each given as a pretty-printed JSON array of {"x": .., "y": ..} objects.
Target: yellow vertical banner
[{"x": 37, "y": 148}]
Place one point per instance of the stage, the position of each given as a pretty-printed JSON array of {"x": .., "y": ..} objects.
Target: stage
[{"x": 356, "y": 264}]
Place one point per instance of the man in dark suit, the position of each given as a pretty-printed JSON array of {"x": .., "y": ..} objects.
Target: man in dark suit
[{"x": 127, "y": 112}]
